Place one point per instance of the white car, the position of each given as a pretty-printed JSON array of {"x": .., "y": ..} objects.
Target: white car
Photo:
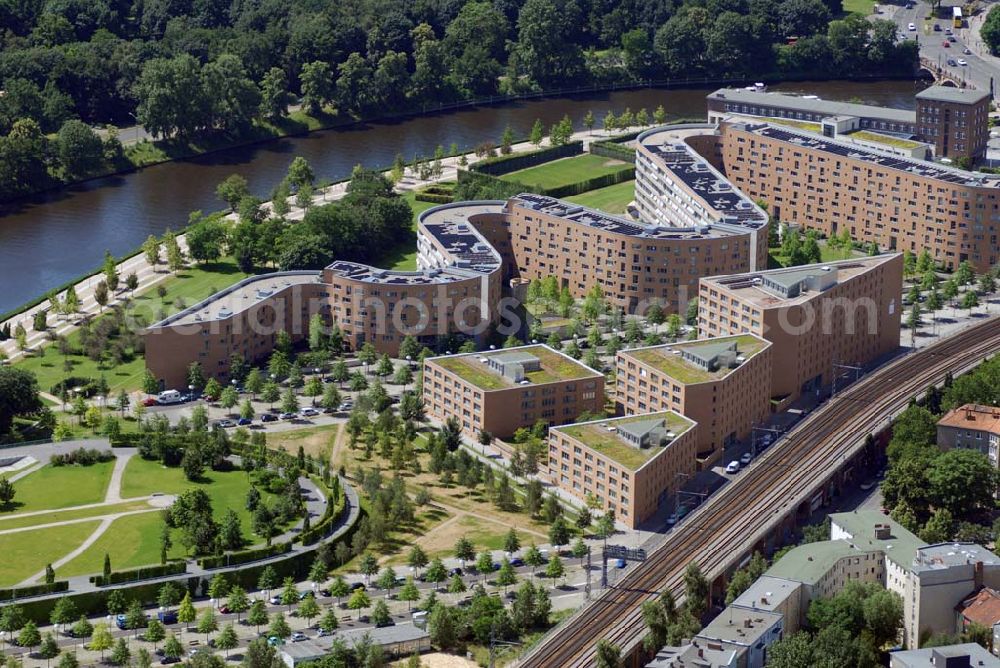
[
  {"x": 309, "y": 412},
  {"x": 911, "y": 27},
  {"x": 733, "y": 467},
  {"x": 963, "y": 62},
  {"x": 746, "y": 458}
]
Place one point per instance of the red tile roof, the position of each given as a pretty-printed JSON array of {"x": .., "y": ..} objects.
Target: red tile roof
[
  {"x": 983, "y": 608},
  {"x": 973, "y": 416}
]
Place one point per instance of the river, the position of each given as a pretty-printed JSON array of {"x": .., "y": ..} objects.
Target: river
[{"x": 55, "y": 237}]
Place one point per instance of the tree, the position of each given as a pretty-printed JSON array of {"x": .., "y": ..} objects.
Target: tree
[
  {"x": 939, "y": 527},
  {"x": 608, "y": 655},
  {"x": 511, "y": 541},
  {"x": 121, "y": 655},
  {"x": 82, "y": 628},
  {"x": 537, "y": 133},
  {"x": 172, "y": 647},
  {"x": 962, "y": 481},
  {"x": 100, "y": 640},
  {"x": 696, "y": 590},
  {"x": 135, "y": 618},
  {"x": 151, "y": 251},
  {"x": 317, "y": 86},
  {"x": 970, "y": 300},
  {"x": 233, "y": 189},
  {"x": 49, "y": 648},
  {"x": 456, "y": 585},
  {"x": 78, "y": 148},
  {"x": 554, "y": 569},
  {"x": 258, "y": 614},
  {"x": 309, "y": 608},
  {"x": 359, "y": 600},
  {"x": 380, "y": 615},
  {"x": 442, "y": 627},
  {"x": 464, "y": 550},
  {"x": 533, "y": 557},
  {"x": 155, "y": 632},
  {"x": 436, "y": 572},
  {"x": 559, "y": 532},
  {"x": 279, "y": 626},
  {"x": 185, "y": 611},
  {"x": 227, "y": 640}
]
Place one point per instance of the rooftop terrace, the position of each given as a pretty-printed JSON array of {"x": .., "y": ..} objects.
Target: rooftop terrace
[
  {"x": 854, "y": 151},
  {"x": 751, "y": 286},
  {"x": 554, "y": 367},
  {"x": 718, "y": 195},
  {"x": 602, "y": 436},
  {"x": 671, "y": 360},
  {"x": 239, "y": 297}
]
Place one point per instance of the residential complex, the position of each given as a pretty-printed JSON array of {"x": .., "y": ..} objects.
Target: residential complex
[
  {"x": 832, "y": 185},
  {"x": 971, "y": 426},
  {"x": 501, "y": 391},
  {"x": 954, "y": 121},
  {"x": 982, "y": 608},
  {"x": 966, "y": 655},
  {"x": 816, "y": 316},
  {"x": 631, "y": 465},
  {"x": 722, "y": 384}
]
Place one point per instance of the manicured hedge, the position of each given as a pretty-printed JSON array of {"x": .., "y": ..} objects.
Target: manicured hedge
[
  {"x": 612, "y": 149},
  {"x": 143, "y": 573},
  {"x": 602, "y": 181},
  {"x": 236, "y": 558},
  {"x": 33, "y": 590},
  {"x": 433, "y": 198},
  {"x": 505, "y": 164}
]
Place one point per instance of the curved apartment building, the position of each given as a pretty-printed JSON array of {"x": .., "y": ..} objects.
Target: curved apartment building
[{"x": 693, "y": 223}]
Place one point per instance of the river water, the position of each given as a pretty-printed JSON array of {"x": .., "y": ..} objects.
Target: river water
[{"x": 58, "y": 236}]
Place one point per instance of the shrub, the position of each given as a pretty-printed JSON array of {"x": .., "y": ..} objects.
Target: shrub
[{"x": 81, "y": 457}]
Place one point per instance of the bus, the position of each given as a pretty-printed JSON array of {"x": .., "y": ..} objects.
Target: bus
[{"x": 956, "y": 14}]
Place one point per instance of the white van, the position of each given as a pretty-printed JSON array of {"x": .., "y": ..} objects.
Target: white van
[
  {"x": 168, "y": 397},
  {"x": 420, "y": 619}
]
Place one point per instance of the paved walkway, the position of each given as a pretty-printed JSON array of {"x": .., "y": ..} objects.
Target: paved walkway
[{"x": 114, "y": 493}]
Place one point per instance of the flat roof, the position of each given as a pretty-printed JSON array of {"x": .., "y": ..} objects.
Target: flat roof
[
  {"x": 809, "y": 562},
  {"x": 974, "y": 417},
  {"x": 740, "y": 625},
  {"x": 767, "y": 593},
  {"x": 749, "y": 286},
  {"x": 814, "y": 105},
  {"x": 717, "y": 194},
  {"x": 663, "y": 357},
  {"x": 556, "y": 367},
  {"x": 947, "y": 555},
  {"x": 953, "y": 94},
  {"x": 854, "y": 151},
  {"x": 598, "y": 436},
  {"x": 239, "y": 297},
  {"x": 931, "y": 657},
  {"x": 901, "y": 545}
]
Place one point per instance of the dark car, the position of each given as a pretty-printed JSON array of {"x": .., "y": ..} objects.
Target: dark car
[
  {"x": 358, "y": 585},
  {"x": 386, "y": 623},
  {"x": 167, "y": 617},
  {"x": 325, "y": 592},
  {"x": 455, "y": 571},
  {"x": 517, "y": 561},
  {"x": 167, "y": 660},
  {"x": 244, "y": 422},
  {"x": 268, "y": 417}
]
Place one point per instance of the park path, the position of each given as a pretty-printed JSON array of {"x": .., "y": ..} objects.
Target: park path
[
  {"x": 30, "y": 469},
  {"x": 338, "y": 444},
  {"x": 459, "y": 512},
  {"x": 114, "y": 493}
]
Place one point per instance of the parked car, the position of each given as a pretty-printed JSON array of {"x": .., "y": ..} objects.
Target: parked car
[
  {"x": 962, "y": 62},
  {"x": 619, "y": 563},
  {"x": 274, "y": 600},
  {"x": 225, "y": 424},
  {"x": 951, "y": 62},
  {"x": 951, "y": 38},
  {"x": 733, "y": 467},
  {"x": 320, "y": 633},
  {"x": 358, "y": 585},
  {"x": 298, "y": 636},
  {"x": 746, "y": 458},
  {"x": 309, "y": 412},
  {"x": 388, "y": 622},
  {"x": 911, "y": 27},
  {"x": 150, "y": 401},
  {"x": 325, "y": 592},
  {"x": 346, "y": 406},
  {"x": 224, "y": 609},
  {"x": 455, "y": 571},
  {"x": 673, "y": 519},
  {"x": 937, "y": 28},
  {"x": 244, "y": 422},
  {"x": 167, "y": 660},
  {"x": 288, "y": 416},
  {"x": 275, "y": 641},
  {"x": 967, "y": 51},
  {"x": 517, "y": 561},
  {"x": 946, "y": 44},
  {"x": 167, "y": 616},
  {"x": 268, "y": 417}
]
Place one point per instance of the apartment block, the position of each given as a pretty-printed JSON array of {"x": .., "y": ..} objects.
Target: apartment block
[
  {"x": 898, "y": 203},
  {"x": 953, "y": 120},
  {"x": 971, "y": 426},
  {"x": 631, "y": 465},
  {"x": 723, "y": 384},
  {"x": 845, "y": 312},
  {"x": 504, "y": 390},
  {"x": 966, "y": 655}
]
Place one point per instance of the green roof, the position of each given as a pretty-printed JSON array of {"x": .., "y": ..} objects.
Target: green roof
[
  {"x": 663, "y": 358},
  {"x": 900, "y": 547},
  {"x": 596, "y": 436},
  {"x": 878, "y": 138},
  {"x": 809, "y": 562},
  {"x": 555, "y": 367}
]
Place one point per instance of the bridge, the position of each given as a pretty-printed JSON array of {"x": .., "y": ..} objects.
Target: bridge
[
  {"x": 778, "y": 491},
  {"x": 941, "y": 75}
]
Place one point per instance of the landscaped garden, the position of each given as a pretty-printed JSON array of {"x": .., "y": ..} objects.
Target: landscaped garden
[
  {"x": 610, "y": 199},
  {"x": 566, "y": 171}
]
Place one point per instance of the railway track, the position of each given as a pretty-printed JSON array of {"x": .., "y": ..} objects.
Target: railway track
[{"x": 741, "y": 514}]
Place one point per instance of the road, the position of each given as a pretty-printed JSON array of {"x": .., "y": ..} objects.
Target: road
[
  {"x": 741, "y": 515},
  {"x": 981, "y": 66}
]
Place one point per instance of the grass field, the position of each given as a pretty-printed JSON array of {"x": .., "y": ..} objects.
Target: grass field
[
  {"x": 566, "y": 171},
  {"x": 611, "y": 199},
  {"x": 863, "y": 7},
  {"x": 316, "y": 441},
  {"x": 484, "y": 535},
  {"x": 130, "y": 541},
  {"x": 827, "y": 254},
  {"x": 191, "y": 285},
  {"x": 52, "y": 487},
  {"x": 226, "y": 489},
  {"x": 26, "y": 553}
]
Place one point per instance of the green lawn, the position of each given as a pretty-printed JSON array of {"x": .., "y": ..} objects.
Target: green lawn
[
  {"x": 26, "y": 553},
  {"x": 863, "y": 7},
  {"x": 227, "y": 489},
  {"x": 130, "y": 541},
  {"x": 190, "y": 285},
  {"x": 14, "y": 522},
  {"x": 52, "y": 487},
  {"x": 776, "y": 260},
  {"x": 611, "y": 199},
  {"x": 567, "y": 170}
]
